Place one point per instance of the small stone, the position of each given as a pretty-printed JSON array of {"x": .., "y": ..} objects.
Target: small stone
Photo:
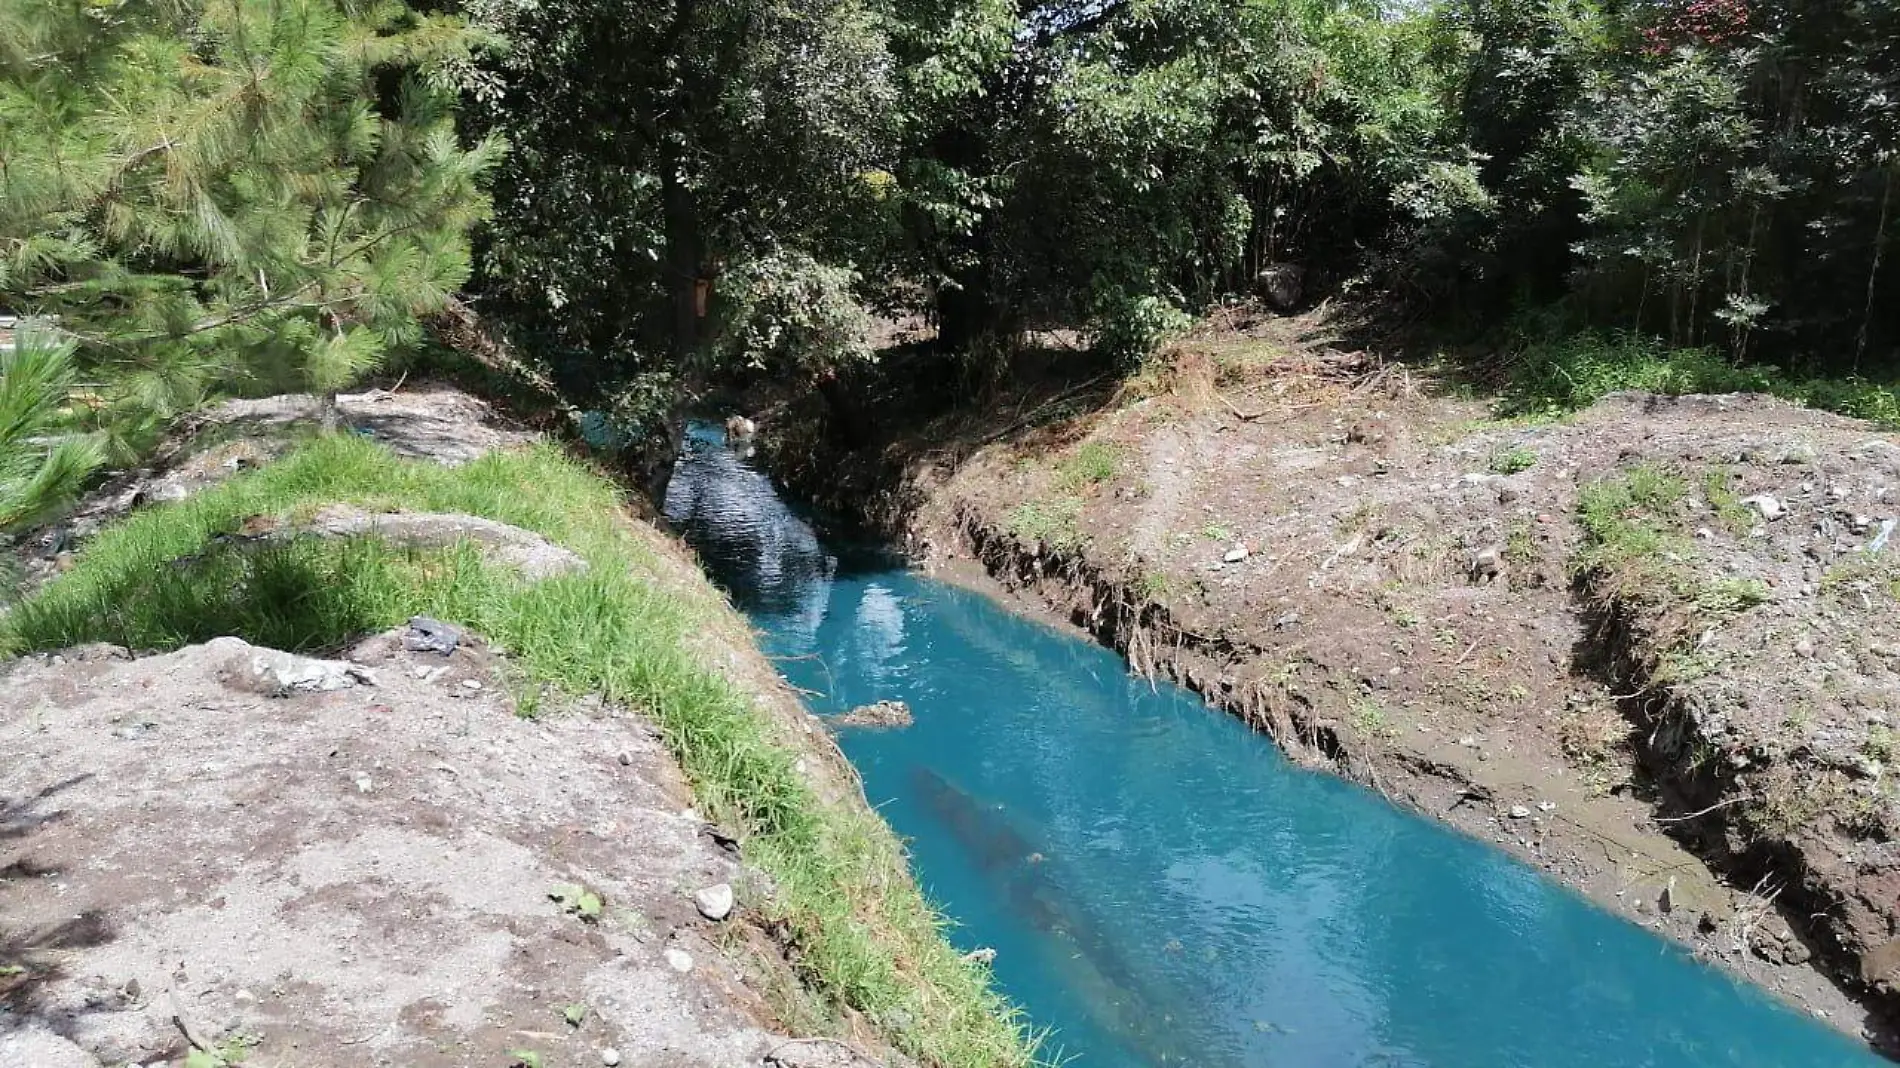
[
  {"x": 679, "y": 960},
  {"x": 1236, "y": 554},
  {"x": 1804, "y": 648},
  {"x": 714, "y": 902},
  {"x": 983, "y": 955},
  {"x": 626, "y": 760},
  {"x": 1519, "y": 812},
  {"x": 1547, "y": 806},
  {"x": 1705, "y": 533},
  {"x": 363, "y": 784},
  {"x": 471, "y": 684},
  {"x": 427, "y": 635},
  {"x": 877, "y": 714},
  {"x": 1770, "y": 508},
  {"x": 1468, "y": 741},
  {"x": 1486, "y": 564},
  {"x": 610, "y": 1057}
]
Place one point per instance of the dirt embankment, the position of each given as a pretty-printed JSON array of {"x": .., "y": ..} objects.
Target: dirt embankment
[
  {"x": 228, "y": 853},
  {"x": 1651, "y": 649}
]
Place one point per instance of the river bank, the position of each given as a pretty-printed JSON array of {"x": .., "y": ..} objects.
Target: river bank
[
  {"x": 571, "y": 817},
  {"x": 1585, "y": 641}
]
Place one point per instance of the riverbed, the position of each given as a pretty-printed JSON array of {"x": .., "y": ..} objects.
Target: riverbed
[{"x": 1160, "y": 885}]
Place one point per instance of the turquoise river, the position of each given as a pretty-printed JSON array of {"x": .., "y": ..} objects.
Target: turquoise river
[{"x": 1160, "y": 885}]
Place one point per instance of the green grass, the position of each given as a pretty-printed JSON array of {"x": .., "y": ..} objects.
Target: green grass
[
  {"x": 1554, "y": 373},
  {"x": 1093, "y": 464},
  {"x": 1054, "y": 523},
  {"x": 1718, "y": 488},
  {"x": 861, "y": 934},
  {"x": 1512, "y": 460},
  {"x": 1626, "y": 519}
]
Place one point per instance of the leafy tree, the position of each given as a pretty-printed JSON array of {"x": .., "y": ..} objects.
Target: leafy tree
[
  {"x": 659, "y": 147},
  {"x": 232, "y": 193},
  {"x": 1744, "y": 189},
  {"x": 1159, "y": 154}
]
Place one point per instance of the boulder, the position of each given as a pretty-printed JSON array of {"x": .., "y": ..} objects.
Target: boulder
[{"x": 253, "y": 669}]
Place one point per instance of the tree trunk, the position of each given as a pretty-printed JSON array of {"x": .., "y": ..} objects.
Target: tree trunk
[{"x": 685, "y": 260}]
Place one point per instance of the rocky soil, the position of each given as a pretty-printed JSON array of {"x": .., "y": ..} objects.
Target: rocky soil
[
  {"x": 229, "y": 853},
  {"x": 1398, "y": 587},
  {"x": 425, "y": 421}
]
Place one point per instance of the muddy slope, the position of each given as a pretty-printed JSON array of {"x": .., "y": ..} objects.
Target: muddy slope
[{"x": 1397, "y": 587}]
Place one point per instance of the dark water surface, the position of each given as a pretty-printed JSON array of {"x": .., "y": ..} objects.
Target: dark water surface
[{"x": 1161, "y": 885}]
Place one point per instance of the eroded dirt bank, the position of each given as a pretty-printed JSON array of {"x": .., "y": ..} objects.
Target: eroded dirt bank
[{"x": 1650, "y": 649}]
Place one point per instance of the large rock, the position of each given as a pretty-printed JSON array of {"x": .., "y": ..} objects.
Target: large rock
[
  {"x": 525, "y": 551},
  {"x": 273, "y": 673}
]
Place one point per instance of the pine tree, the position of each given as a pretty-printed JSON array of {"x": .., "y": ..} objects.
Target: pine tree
[
  {"x": 40, "y": 467},
  {"x": 237, "y": 194}
]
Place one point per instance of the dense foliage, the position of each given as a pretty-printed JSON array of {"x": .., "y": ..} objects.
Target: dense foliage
[{"x": 244, "y": 194}]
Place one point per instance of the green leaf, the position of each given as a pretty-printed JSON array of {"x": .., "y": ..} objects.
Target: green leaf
[
  {"x": 523, "y": 1058},
  {"x": 199, "y": 1058},
  {"x": 577, "y": 899},
  {"x": 574, "y": 1014},
  {"x": 589, "y": 906}
]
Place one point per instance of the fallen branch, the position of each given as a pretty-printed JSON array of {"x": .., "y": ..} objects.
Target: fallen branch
[
  {"x": 1696, "y": 815},
  {"x": 192, "y": 1035}
]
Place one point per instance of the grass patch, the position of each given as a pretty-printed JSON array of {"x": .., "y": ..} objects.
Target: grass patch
[
  {"x": 1553, "y": 373},
  {"x": 1718, "y": 489},
  {"x": 1859, "y": 578},
  {"x": 1727, "y": 597},
  {"x": 1152, "y": 585},
  {"x": 1093, "y": 464},
  {"x": 1513, "y": 460},
  {"x": 1627, "y": 519},
  {"x": 1369, "y": 718},
  {"x": 1054, "y": 523},
  {"x": 862, "y": 935},
  {"x": 1520, "y": 543}
]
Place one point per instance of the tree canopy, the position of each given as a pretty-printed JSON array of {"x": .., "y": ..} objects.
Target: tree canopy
[
  {"x": 238, "y": 194},
  {"x": 221, "y": 195}
]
